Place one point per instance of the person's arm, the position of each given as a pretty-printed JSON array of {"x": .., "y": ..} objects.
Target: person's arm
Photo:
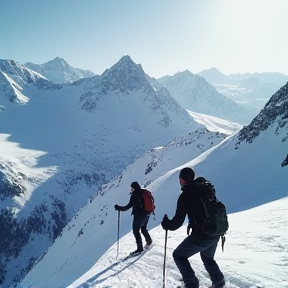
[
  {"x": 180, "y": 214},
  {"x": 131, "y": 203}
]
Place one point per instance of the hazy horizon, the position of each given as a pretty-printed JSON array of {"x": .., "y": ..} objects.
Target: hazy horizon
[{"x": 164, "y": 37}]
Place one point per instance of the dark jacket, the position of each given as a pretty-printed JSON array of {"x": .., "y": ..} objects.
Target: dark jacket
[
  {"x": 189, "y": 204},
  {"x": 136, "y": 201}
]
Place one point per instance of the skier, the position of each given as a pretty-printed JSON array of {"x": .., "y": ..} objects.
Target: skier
[
  {"x": 140, "y": 219},
  {"x": 188, "y": 204}
]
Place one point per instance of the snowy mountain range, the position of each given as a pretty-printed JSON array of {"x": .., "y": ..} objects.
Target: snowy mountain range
[
  {"x": 16, "y": 81},
  {"x": 69, "y": 151},
  {"x": 196, "y": 94},
  {"x": 59, "y": 71},
  {"x": 249, "y": 177},
  {"x": 65, "y": 141},
  {"x": 248, "y": 89},
  {"x": 254, "y": 89}
]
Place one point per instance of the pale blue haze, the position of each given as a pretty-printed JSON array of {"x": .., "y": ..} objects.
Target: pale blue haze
[{"x": 165, "y": 36}]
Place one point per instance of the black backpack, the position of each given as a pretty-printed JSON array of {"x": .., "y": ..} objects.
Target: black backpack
[{"x": 215, "y": 220}]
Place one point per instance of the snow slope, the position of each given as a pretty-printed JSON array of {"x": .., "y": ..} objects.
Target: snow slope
[
  {"x": 73, "y": 139},
  {"x": 254, "y": 255},
  {"x": 249, "y": 179}
]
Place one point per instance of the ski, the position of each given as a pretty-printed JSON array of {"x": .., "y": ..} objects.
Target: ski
[{"x": 139, "y": 255}]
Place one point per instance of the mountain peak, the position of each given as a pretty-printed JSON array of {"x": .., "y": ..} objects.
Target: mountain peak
[
  {"x": 176, "y": 77},
  {"x": 8, "y": 65},
  {"x": 125, "y": 75},
  {"x": 59, "y": 71},
  {"x": 58, "y": 59},
  {"x": 212, "y": 72},
  {"x": 213, "y": 75},
  {"x": 196, "y": 94},
  {"x": 20, "y": 73},
  {"x": 56, "y": 64},
  {"x": 185, "y": 72},
  {"x": 126, "y": 59},
  {"x": 126, "y": 63}
]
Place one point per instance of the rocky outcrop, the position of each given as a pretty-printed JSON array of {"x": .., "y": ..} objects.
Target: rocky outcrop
[{"x": 274, "y": 113}]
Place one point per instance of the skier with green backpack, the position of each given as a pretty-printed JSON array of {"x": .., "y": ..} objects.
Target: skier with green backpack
[{"x": 208, "y": 220}]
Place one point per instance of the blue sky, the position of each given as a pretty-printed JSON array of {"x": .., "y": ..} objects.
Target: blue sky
[{"x": 164, "y": 36}]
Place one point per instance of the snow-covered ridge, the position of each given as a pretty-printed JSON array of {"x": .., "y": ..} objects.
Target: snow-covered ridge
[
  {"x": 216, "y": 124},
  {"x": 162, "y": 159},
  {"x": 12, "y": 90},
  {"x": 127, "y": 79},
  {"x": 59, "y": 71},
  {"x": 196, "y": 94},
  {"x": 25, "y": 76},
  {"x": 275, "y": 113}
]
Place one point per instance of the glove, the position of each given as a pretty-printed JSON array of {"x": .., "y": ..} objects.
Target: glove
[
  {"x": 165, "y": 222},
  {"x": 116, "y": 207}
]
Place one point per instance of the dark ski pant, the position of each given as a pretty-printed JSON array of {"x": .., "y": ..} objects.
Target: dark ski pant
[
  {"x": 189, "y": 247},
  {"x": 140, "y": 222}
]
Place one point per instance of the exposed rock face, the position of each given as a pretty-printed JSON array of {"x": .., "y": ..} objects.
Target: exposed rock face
[
  {"x": 274, "y": 113},
  {"x": 43, "y": 220},
  {"x": 11, "y": 185}
]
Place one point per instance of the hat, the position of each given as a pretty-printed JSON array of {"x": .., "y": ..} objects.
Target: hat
[
  {"x": 187, "y": 174},
  {"x": 135, "y": 186}
]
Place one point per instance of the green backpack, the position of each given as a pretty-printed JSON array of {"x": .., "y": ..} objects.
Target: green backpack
[{"x": 215, "y": 221}]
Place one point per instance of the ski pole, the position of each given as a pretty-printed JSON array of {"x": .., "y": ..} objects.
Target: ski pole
[
  {"x": 118, "y": 233},
  {"x": 164, "y": 264}
]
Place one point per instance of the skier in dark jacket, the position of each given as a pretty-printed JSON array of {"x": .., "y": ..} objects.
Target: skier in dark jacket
[
  {"x": 189, "y": 204},
  {"x": 140, "y": 219}
]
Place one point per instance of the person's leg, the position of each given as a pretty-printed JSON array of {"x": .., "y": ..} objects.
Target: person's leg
[
  {"x": 211, "y": 266},
  {"x": 186, "y": 249},
  {"x": 137, "y": 221},
  {"x": 144, "y": 230}
]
